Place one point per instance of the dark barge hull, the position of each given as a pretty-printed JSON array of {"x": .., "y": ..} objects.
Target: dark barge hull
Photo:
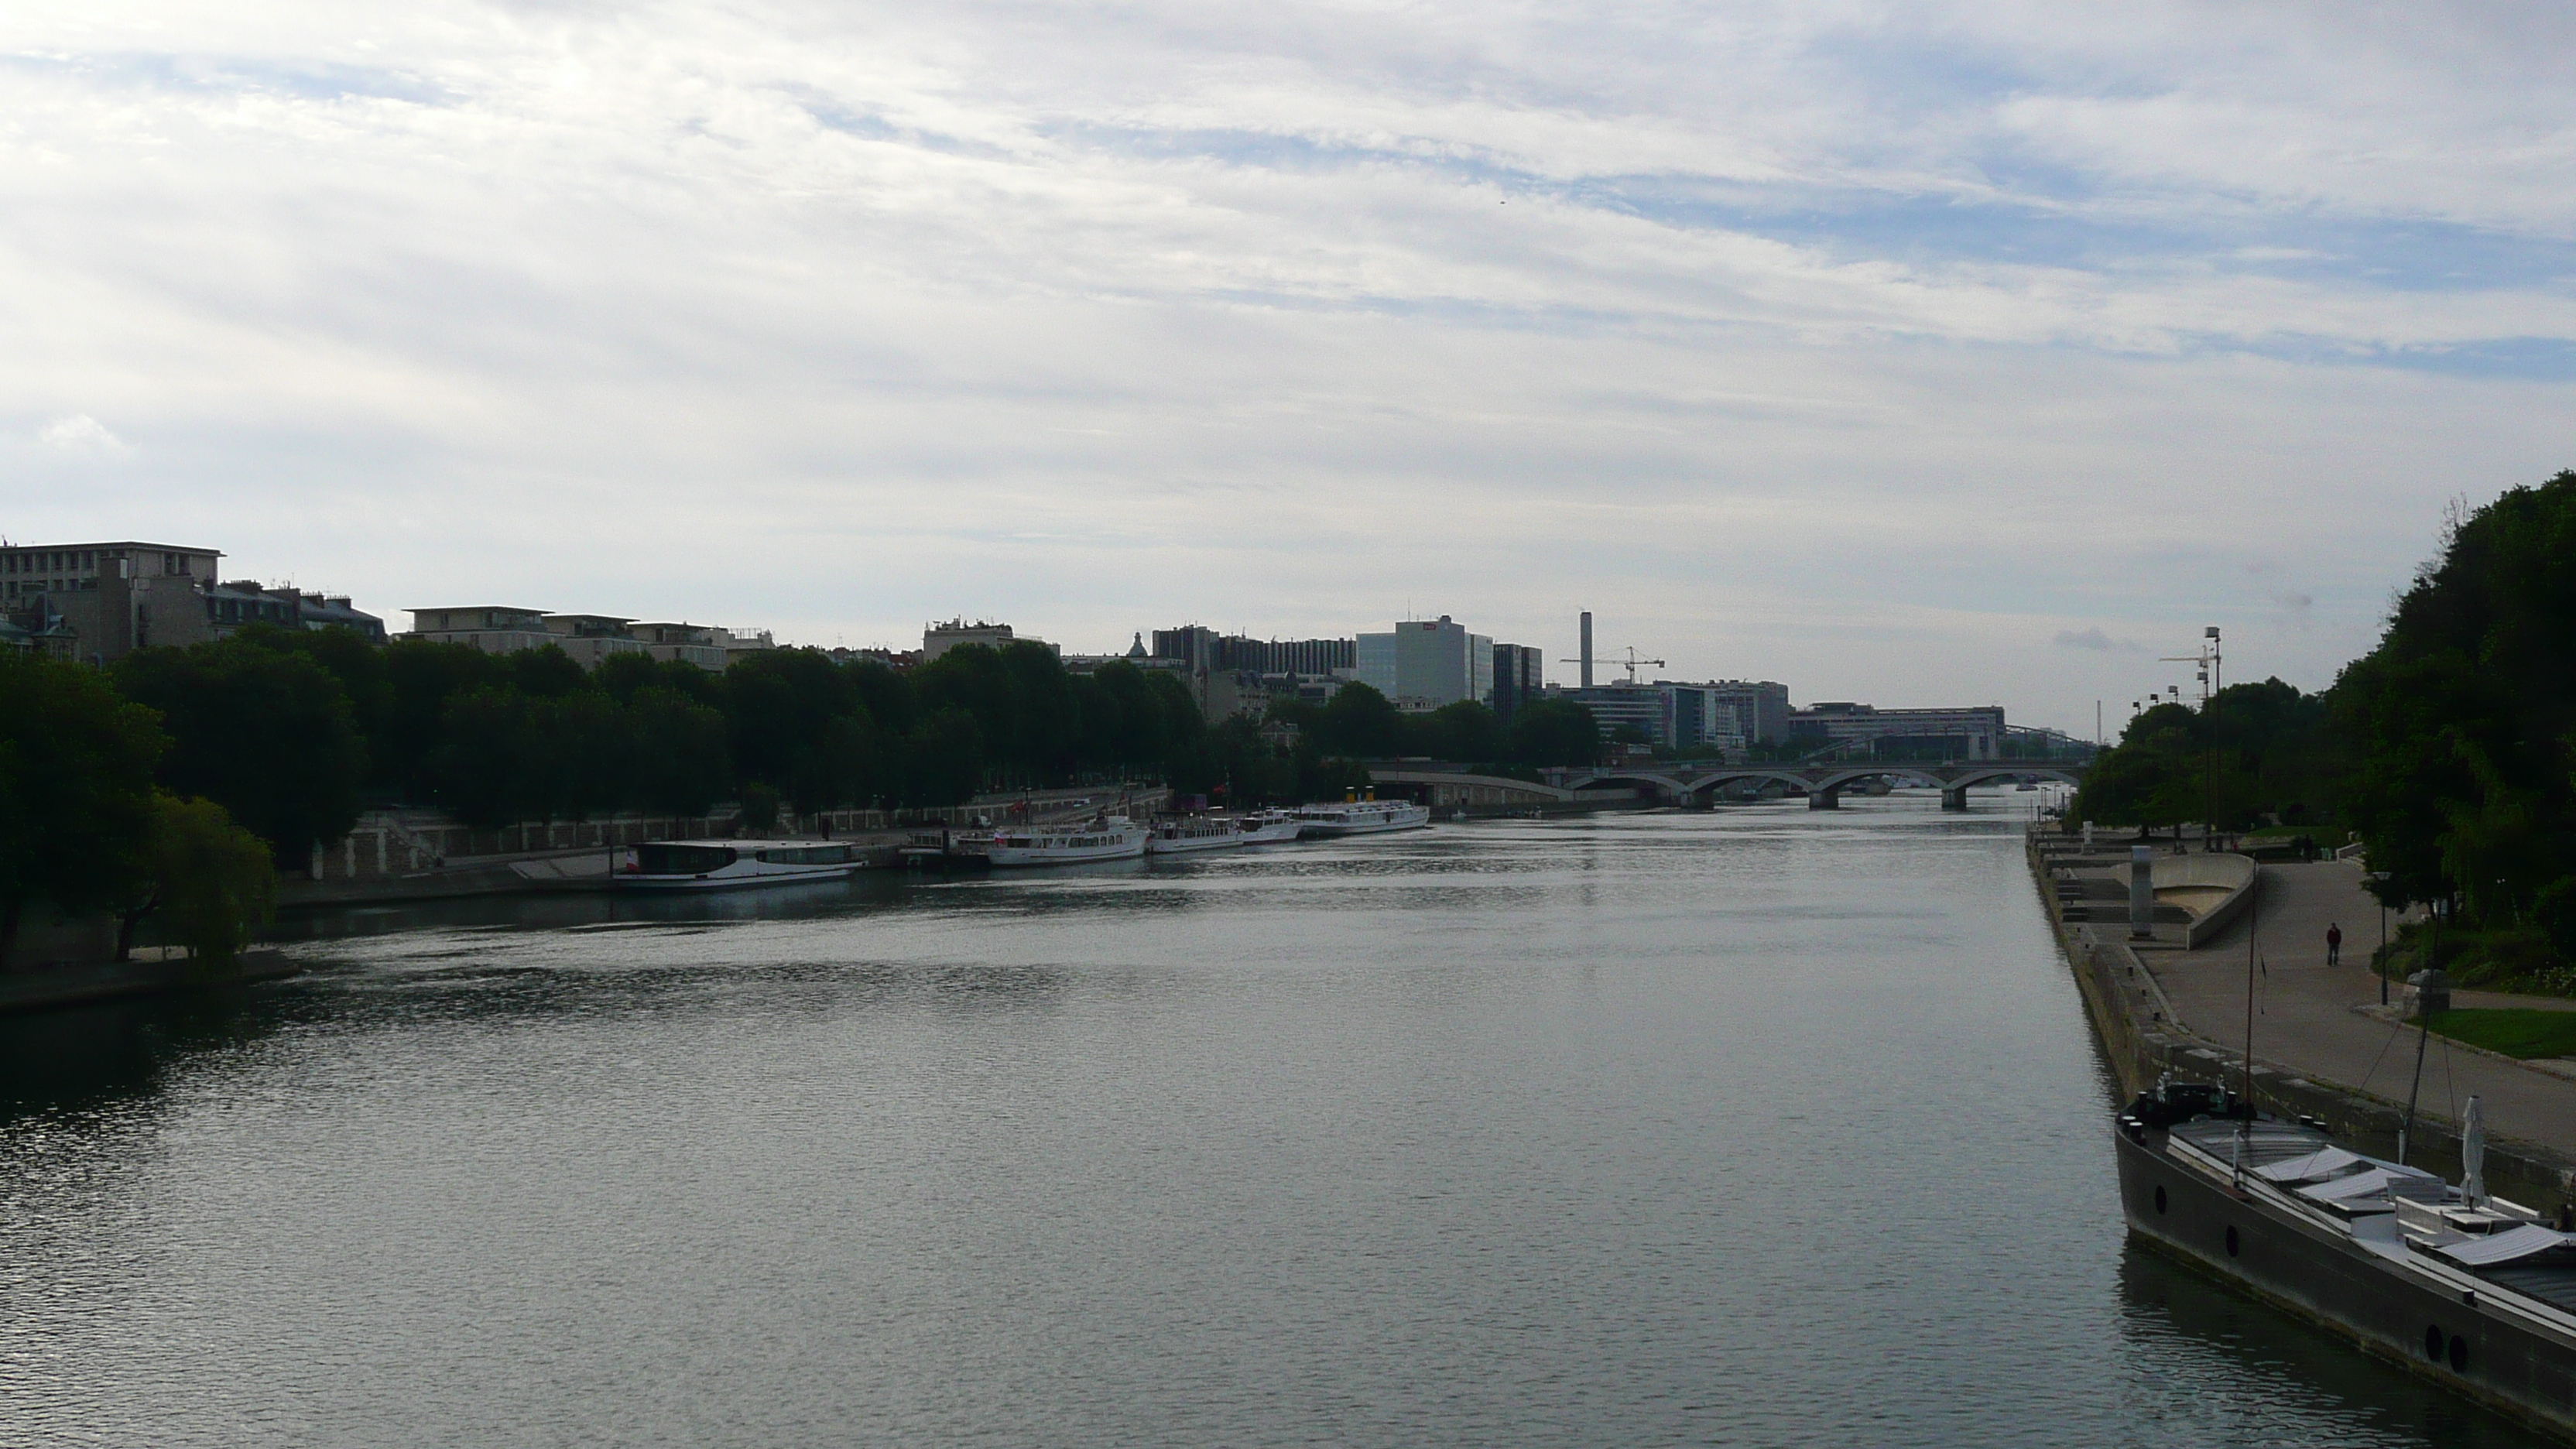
[{"x": 2521, "y": 1369}]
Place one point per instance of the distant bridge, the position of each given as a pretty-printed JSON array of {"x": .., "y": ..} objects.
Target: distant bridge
[{"x": 1684, "y": 781}]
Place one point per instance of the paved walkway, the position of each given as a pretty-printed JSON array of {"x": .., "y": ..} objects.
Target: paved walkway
[{"x": 2306, "y": 1021}]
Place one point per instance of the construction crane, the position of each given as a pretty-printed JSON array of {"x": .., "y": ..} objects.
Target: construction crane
[{"x": 1632, "y": 663}]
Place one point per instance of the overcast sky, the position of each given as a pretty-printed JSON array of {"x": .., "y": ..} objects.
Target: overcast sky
[{"x": 1907, "y": 353}]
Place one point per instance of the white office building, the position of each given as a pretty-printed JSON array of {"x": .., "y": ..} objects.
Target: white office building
[{"x": 1423, "y": 664}]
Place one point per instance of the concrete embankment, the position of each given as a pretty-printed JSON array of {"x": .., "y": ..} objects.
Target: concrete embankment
[
  {"x": 2313, "y": 1058},
  {"x": 148, "y": 973}
]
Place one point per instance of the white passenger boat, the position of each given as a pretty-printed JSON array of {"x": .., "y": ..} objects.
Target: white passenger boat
[
  {"x": 1272, "y": 827},
  {"x": 1107, "y": 837},
  {"x": 1360, "y": 817},
  {"x": 1194, "y": 834},
  {"x": 709, "y": 865}
]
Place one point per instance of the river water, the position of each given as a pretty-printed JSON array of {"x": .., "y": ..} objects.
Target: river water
[{"x": 1755, "y": 1127}]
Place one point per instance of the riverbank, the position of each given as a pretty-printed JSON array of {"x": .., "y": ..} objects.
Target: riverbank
[
  {"x": 149, "y": 972},
  {"x": 2320, "y": 1048}
]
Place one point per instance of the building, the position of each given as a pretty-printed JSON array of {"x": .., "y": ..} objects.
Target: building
[
  {"x": 240, "y": 604},
  {"x": 1671, "y": 716},
  {"x": 938, "y": 639},
  {"x": 97, "y": 602},
  {"x": 1760, "y": 707},
  {"x": 1198, "y": 647},
  {"x": 591, "y": 640},
  {"x": 1520, "y": 675},
  {"x": 1427, "y": 663},
  {"x": 743, "y": 643},
  {"x": 1973, "y": 732},
  {"x": 703, "y": 645},
  {"x": 492, "y": 628}
]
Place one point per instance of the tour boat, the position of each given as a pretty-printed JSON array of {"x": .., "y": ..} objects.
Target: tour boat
[
  {"x": 708, "y": 865},
  {"x": 1106, "y": 837},
  {"x": 1271, "y": 827},
  {"x": 1360, "y": 817},
  {"x": 1196, "y": 833}
]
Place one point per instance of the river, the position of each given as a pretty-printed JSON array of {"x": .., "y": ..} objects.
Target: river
[{"x": 1759, "y": 1126}]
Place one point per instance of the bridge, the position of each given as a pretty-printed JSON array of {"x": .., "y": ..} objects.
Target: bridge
[{"x": 1693, "y": 782}]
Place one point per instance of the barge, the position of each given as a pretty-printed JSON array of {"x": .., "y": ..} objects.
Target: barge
[{"x": 2462, "y": 1287}]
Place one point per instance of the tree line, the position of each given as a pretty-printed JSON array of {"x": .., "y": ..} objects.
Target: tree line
[
  {"x": 2449, "y": 749},
  {"x": 86, "y": 829},
  {"x": 295, "y": 732}
]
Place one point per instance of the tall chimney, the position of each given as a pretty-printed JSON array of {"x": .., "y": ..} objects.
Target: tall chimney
[{"x": 1586, "y": 651}]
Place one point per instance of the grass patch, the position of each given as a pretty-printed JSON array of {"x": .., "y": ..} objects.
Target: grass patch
[{"x": 2515, "y": 1031}]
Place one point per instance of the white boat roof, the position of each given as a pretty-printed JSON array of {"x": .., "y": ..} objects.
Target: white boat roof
[
  {"x": 2504, "y": 1247},
  {"x": 2327, "y": 1162}
]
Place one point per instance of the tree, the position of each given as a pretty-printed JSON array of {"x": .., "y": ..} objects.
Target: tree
[
  {"x": 1465, "y": 731},
  {"x": 1359, "y": 723},
  {"x": 2456, "y": 727},
  {"x": 76, "y": 799},
  {"x": 1555, "y": 732},
  {"x": 679, "y": 762},
  {"x": 211, "y": 881},
  {"x": 269, "y": 736},
  {"x": 479, "y": 771}
]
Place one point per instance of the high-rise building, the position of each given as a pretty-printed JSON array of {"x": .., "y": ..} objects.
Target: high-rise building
[
  {"x": 1426, "y": 663},
  {"x": 1519, "y": 675}
]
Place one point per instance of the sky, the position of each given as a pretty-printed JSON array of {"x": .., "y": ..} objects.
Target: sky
[{"x": 1919, "y": 354}]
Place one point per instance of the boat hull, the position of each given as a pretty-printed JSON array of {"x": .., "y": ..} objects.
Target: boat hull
[
  {"x": 2474, "y": 1347},
  {"x": 721, "y": 882},
  {"x": 1192, "y": 844}
]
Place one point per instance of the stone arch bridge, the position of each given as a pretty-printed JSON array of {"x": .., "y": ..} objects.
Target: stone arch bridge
[{"x": 1688, "y": 782}]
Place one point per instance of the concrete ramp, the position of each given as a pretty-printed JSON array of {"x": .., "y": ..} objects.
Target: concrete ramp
[{"x": 2215, "y": 889}]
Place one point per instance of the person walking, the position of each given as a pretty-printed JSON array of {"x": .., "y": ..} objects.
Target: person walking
[{"x": 2334, "y": 943}]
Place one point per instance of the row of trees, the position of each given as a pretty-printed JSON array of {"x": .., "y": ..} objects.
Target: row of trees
[
  {"x": 295, "y": 732},
  {"x": 85, "y": 830},
  {"x": 2450, "y": 748}
]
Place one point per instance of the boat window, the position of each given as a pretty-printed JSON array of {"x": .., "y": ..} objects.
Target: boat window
[
  {"x": 681, "y": 859},
  {"x": 806, "y": 855}
]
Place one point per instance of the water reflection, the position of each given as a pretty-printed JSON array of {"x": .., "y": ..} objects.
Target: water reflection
[{"x": 1744, "y": 1126}]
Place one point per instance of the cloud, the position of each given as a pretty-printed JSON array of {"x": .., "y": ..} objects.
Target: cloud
[
  {"x": 2095, "y": 639},
  {"x": 81, "y": 435},
  {"x": 834, "y": 317}
]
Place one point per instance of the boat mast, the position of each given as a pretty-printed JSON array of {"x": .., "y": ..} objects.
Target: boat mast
[{"x": 2253, "y": 931}]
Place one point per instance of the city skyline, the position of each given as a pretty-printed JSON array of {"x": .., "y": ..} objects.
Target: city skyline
[{"x": 1971, "y": 353}]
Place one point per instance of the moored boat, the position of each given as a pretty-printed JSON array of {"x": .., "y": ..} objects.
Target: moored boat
[
  {"x": 705, "y": 865},
  {"x": 2464, "y": 1287},
  {"x": 1104, "y": 837},
  {"x": 1193, "y": 834},
  {"x": 1270, "y": 827},
  {"x": 1359, "y": 817}
]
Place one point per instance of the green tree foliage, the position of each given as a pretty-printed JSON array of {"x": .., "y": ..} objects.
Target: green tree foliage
[
  {"x": 2458, "y": 727},
  {"x": 1359, "y": 723},
  {"x": 76, "y": 799},
  {"x": 1555, "y": 732},
  {"x": 2256, "y": 752},
  {"x": 267, "y": 734},
  {"x": 210, "y": 882}
]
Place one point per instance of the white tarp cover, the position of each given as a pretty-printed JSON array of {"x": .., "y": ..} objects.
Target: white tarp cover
[
  {"x": 2360, "y": 1184},
  {"x": 2324, "y": 1162},
  {"x": 2504, "y": 1247}
]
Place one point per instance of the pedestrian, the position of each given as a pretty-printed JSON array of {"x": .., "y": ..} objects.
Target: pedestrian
[{"x": 2334, "y": 943}]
